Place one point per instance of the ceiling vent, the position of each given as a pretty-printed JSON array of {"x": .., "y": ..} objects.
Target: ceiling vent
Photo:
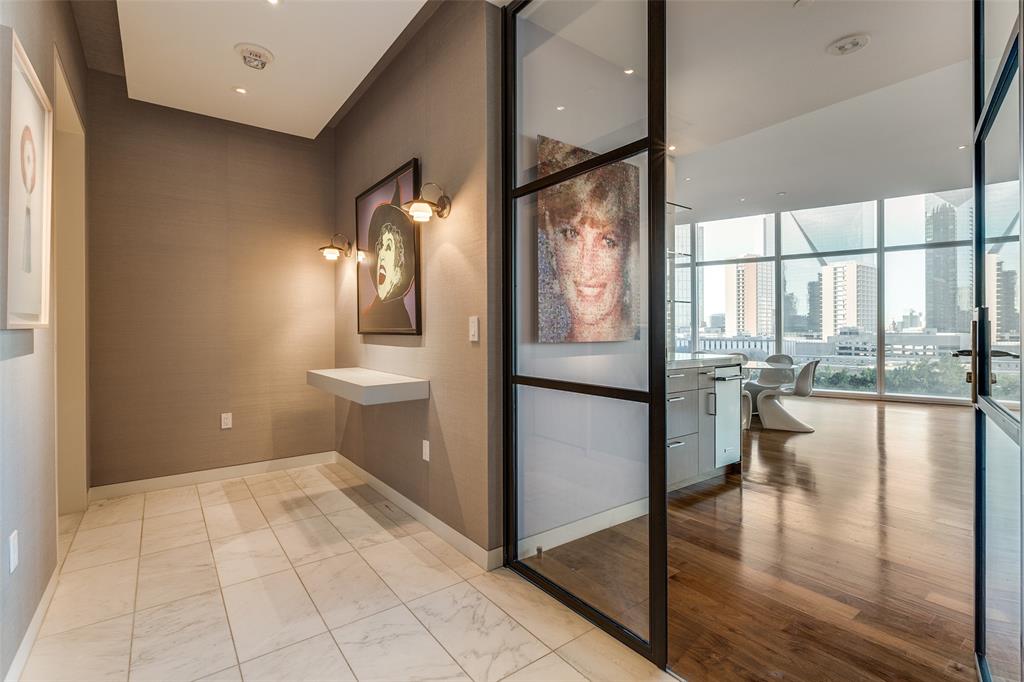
[
  {"x": 849, "y": 44},
  {"x": 254, "y": 56}
]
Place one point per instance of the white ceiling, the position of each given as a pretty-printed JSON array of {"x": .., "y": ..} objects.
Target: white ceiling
[{"x": 181, "y": 55}]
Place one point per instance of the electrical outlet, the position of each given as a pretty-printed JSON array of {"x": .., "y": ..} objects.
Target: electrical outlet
[
  {"x": 12, "y": 550},
  {"x": 225, "y": 420},
  {"x": 474, "y": 329},
  {"x": 426, "y": 451}
]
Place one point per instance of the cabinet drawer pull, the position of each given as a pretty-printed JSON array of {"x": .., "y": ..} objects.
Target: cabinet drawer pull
[
  {"x": 676, "y": 376},
  {"x": 676, "y": 445},
  {"x": 677, "y": 399}
]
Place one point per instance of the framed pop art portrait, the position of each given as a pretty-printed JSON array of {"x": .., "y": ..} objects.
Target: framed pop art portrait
[
  {"x": 26, "y": 138},
  {"x": 388, "y": 264},
  {"x": 588, "y": 241}
]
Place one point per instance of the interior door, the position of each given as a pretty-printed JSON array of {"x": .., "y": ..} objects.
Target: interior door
[{"x": 996, "y": 370}]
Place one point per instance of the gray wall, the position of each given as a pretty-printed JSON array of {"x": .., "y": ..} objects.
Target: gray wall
[
  {"x": 438, "y": 100},
  {"x": 27, "y": 458},
  {"x": 207, "y": 294}
]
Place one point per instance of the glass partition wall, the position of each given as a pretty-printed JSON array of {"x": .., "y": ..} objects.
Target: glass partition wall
[{"x": 585, "y": 309}]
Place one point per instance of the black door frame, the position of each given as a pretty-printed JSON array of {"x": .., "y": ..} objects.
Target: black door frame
[
  {"x": 987, "y": 410},
  {"x": 654, "y": 145}
]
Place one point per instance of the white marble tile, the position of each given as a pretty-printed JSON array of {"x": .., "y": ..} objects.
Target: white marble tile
[
  {"x": 63, "y": 545},
  {"x": 407, "y": 524},
  {"x": 68, "y": 523},
  {"x": 96, "y": 652},
  {"x": 364, "y": 526},
  {"x": 311, "y": 479},
  {"x": 269, "y": 613},
  {"x": 233, "y": 518},
  {"x": 602, "y": 659},
  {"x": 345, "y": 588},
  {"x": 222, "y": 492},
  {"x": 363, "y": 493},
  {"x": 91, "y": 595},
  {"x": 452, "y": 558},
  {"x": 481, "y": 637},
  {"x": 392, "y": 646},
  {"x": 409, "y": 569},
  {"x": 171, "y": 500},
  {"x": 173, "y": 530},
  {"x": 330, "y": 501},
  {"x": 280, "y": 508},
  {"x": 311, "y": 540},
  {"x": 550, "y": 621},
  {"x": 231, "y": 674},
  {"x": 270, "y": 483},
  {"x": 314, "y": 660},
  {"x": 247, "y": 556},
  {"x": 113, "y": 510},
  {"x": 103, "y": 545},
  {"x": 551, "y": 668},
  {"x": 182, "y": 640},
  {"x": 175, "y": 574}
]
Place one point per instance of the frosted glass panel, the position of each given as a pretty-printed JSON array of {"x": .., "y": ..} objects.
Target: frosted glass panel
[
  {"x": 582, "y": 278},
  {"x": 582, "y": 486}
]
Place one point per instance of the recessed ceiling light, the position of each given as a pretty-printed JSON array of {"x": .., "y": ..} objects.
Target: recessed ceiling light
[
  {"x": 781, "y": 194},
  {"x": 671, "y": 147},
  {"x": 686, "y": 179},
  {"x": 273, "y": 2},
  {"x": 963, "y": 146},
  {"x": 742, "y": 199},
  {"x": 848, "y": 44},
  {"x": 628, "y": 72},
  {"x": 241, "y": 91}
]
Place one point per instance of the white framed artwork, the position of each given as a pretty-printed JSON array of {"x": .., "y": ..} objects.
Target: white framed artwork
[{"x": 26, "y": 166}]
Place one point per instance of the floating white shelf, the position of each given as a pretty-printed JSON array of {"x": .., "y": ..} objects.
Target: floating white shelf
[{"x": 368, "y": 386}]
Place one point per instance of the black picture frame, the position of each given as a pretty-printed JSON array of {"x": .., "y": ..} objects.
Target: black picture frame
[{"x": 407, "y": 177}]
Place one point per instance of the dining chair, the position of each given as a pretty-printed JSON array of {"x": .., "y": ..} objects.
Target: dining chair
[
  {"x": 769, "y": 406},
  {"x": 770, "y": 378}
]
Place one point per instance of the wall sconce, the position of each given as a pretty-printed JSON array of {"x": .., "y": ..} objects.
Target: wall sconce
[
  {"x": 421, "y": 210},
  {"x": 333, "y": 251}
]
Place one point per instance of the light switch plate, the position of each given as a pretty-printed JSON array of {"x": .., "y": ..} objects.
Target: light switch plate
[
  {"x": 12, "y": 550},
  {"x": 474, "y": 328},
  {"x": 426, "y": 451},
  {"x": 225, "y": 420}
]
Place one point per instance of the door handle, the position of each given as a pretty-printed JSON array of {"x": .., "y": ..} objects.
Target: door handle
[{"x": 963, "y": 353}]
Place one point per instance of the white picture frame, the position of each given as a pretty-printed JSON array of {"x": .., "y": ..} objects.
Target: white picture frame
[{"x": 26, "y": 179}]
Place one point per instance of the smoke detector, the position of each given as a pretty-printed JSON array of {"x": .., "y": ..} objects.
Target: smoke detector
[
  {"x": 848, "y": 44},
  {"x": 254, "y": 56}
]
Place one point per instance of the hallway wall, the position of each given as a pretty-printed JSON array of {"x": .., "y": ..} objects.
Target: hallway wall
[
  {"x": 28, "y": 501},
  {"x": 207, "y": 294},
  {"x": 438, "y": 100}
]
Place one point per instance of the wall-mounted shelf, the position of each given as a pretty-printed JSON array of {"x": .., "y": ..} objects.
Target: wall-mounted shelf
[{"x": 368, "y": 386}]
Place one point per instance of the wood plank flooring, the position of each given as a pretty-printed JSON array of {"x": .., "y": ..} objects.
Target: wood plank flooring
[{"x": 845, "y": 554}]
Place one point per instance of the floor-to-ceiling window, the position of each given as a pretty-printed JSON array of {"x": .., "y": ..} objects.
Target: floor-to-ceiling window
[{"x": 881, "y": 291}]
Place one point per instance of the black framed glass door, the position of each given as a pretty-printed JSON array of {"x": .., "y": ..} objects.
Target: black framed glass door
[
  {"x": 584, "y": 334},
  {"x": 996, "y": 365}
]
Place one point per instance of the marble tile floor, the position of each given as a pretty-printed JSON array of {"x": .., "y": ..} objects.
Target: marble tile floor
[{"x": 304, "y": 574}]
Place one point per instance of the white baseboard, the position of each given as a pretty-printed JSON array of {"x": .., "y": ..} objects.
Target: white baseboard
[
  {"x": 582, "y": 527},
  {"x": 488, "y": 559},
  {"x": 29, "y": 640},
  {"x": 191, "y": 478}
]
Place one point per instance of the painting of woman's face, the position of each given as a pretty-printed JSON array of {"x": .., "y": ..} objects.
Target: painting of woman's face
[
  {"x": 588, "y": 240},
  {"x": 591, "y": 254},
  {"x": 390, "y": 261}
]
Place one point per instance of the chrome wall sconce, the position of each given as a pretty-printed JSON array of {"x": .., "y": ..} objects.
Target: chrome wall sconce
[
  {"x": 334, "y": 250},
  {"x": 421, "y": 210}
]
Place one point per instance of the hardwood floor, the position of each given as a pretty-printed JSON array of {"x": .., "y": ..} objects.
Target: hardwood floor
[{"x": 845, "y": 554}]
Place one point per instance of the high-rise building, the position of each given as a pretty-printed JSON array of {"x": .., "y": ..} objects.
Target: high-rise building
[
  {"x": 941, "y": 309},
  {"x": 849, "y": 295},
  {"x": 1001, "y": 298},
  {"x": 814, "y": 305},
  {"x": 749, "y": 299}
]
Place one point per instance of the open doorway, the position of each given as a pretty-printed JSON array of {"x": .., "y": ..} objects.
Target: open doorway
[{"x": 70, "y": 291}]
